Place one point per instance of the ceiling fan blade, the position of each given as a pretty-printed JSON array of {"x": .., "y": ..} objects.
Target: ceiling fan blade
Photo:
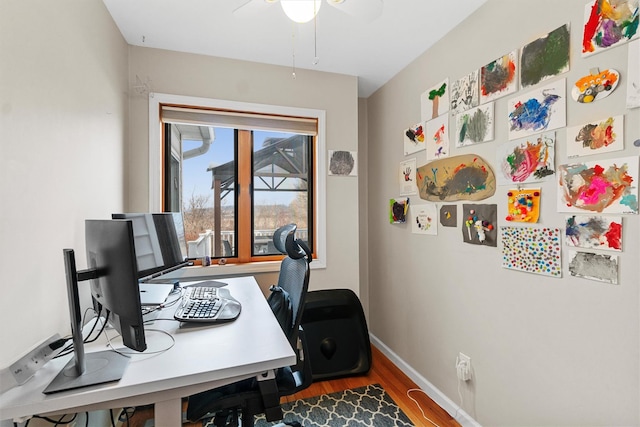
[
  {"x": 252, "y": 7},
  {"x": 366, "y": 10}
]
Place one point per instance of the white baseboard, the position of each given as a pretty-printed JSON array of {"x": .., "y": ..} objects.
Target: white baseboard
[{"x": 436, "y": 395}]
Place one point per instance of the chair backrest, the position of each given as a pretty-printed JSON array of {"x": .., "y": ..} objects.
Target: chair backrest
[{"x": 294, "y": 274}]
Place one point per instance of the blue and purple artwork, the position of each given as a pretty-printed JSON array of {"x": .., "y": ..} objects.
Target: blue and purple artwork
[{"x": 539, "y": 110}]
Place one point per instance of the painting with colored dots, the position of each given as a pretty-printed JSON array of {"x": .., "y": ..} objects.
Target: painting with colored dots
[
  {"x": 523, "y": 205},
  {"x": 424, "y": 218},
  {"x": 603, "y": 186},
  {"x": 532, "y": 250},
  {"x": 479, "y": 226}
]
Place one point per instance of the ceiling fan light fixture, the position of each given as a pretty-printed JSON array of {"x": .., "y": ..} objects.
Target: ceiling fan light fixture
[{"x": 301, "y": 11}]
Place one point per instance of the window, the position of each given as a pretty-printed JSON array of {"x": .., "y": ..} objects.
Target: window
[{"x": 238, "y": 172}]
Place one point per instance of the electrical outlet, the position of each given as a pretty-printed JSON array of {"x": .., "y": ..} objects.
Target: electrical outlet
[
  {"x": 463, "y": 367},
  {"x": 27, "y": 365}
]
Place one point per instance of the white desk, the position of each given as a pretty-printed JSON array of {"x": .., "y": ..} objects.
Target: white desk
[{"x": 202, "y": 358}]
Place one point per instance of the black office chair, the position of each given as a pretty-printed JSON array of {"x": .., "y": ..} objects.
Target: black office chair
[{"x": 251, "y": 397}]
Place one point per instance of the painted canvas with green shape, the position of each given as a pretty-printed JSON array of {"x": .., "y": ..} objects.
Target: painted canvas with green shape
[{"x": 545, "y": 57}]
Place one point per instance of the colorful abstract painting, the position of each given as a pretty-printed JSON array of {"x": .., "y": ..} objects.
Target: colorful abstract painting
[
  {"x": 527, "y": 160},
  {"x": 413, "y": 139},
  {"x": 596, "y": 137},
  {"x": 523, "y": 205},
  {"x": 466, "y": 177},
  {"x": 604, "y": 186},
  {"x": 633, "y": 75},
  {"x": 533, "y": 250},
  {"x": 434, "y": 101},
  {"x": 545, "y": 57},
  {"x": 424, "y": 219},
  {"x": 594, "y": 232},
  {"x": 480, "y": 225},
  {"x": 465, "y": 93},
  {"x": 398, "y": 209},
  {"x": 595, "y": 86},
  {"x": 599, "y": 267},
  {"x": 539, "y": 110},
  {"x": 608, "y": 23},
  {"x": 474, "y": 126},
  {"x": 407, "y": 177},
  {"x": 437, "y": 137},
  {"x": 499, "y": 77}
]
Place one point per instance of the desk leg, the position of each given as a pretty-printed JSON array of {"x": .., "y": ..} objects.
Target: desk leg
[{"x": 168, "y": 413}]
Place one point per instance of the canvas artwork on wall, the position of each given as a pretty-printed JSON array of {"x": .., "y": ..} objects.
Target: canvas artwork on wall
[
  {"x": 532, "y": 250},
  {"x": 541, "y": 109},
  {"x": 474, "y": 125},
  {"x": 633, "y": 75},
  {"x": 527, "y": 160},
  {"x": 398, "y": 209},
  {"x": 434, "y": 101},
  {"x": 466, "y": 177},
  {"x": 480, "y": 224},
  {"x": 424, "y": 219},
  {"x": 523, "y": 205},
  {"x": 437, "y": 137},
  {"x": 596, "y": 137},
  {"x": 344, "y": 163},
  {"x": 413, "y": 139},
  {"x": 465, "y": 93},
  {"x": 608, "y": 23},
  {"x": 594, "y": 232},
  {"x": 603, "y": 186},
  {"x": 499, "y": 77},
  {"x": 588, "y": 265},
  {"x": 407, "y": 177},
  {"x": 545, "y": 57}
]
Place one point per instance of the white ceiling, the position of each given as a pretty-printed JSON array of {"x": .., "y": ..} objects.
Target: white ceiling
[{"x": 373, "y": 51}]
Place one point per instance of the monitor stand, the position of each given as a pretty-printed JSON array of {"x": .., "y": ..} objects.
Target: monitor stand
[{"x": 100, "y": 367}]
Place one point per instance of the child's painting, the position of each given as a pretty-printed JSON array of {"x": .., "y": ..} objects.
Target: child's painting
[
  {"x": 499, "y": 77},
  {"x": 466, "y": 177},
  {"x": 603, "y": 186},
  {"x": 594, "y": 232},
  {"x": 608, "y": 23},
  {"x": 449, "y": 215},
  {"x": 527, "y": 160},
  {"x": 595, "y": 86},
  {"x": 465, "y": 93},
  {"x": 523, "y": 205},
  {"x": 539, "y": 110},
  {"x": 437, "y": 137},
  {"x": 532, "y": 250},
  {"x": 480, "y": 224},
  {"x": 474, "y": 126},
  {"x": 424, "y": 219},
  {"x": 407, "y": 178},
  {"x": 343, "y": 163},
  {"x": 434, "y": 101},
  {"x": 398, "y": 209},
  {"x": 413, "y": 139},
  {"x": 599, "y": 267},
  {"x": 633, "y": 75},
  {"x": 596, "y": 137},
  {"x": 545, "y": 57}
]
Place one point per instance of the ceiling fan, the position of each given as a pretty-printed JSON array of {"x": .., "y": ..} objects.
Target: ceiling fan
[{"x": 302, "y": 11}]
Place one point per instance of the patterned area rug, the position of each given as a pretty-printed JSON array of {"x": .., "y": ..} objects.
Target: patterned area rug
[{"x": 358, "y": 407}]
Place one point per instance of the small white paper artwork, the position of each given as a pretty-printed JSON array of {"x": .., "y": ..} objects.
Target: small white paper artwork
[
  {"x": 596, "y": 137},
  {"x": 424, "y": 219},
  {"x": 407, "y": 177},
  {"x": 437, "y": 138}
]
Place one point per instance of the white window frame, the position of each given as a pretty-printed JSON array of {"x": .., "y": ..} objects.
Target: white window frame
[{"x": 155, "y": 169}]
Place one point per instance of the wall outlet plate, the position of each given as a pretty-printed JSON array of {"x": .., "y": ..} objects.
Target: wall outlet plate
[
  {"x": 463, "y": 367},
  {"x": 33, "y": 360}
]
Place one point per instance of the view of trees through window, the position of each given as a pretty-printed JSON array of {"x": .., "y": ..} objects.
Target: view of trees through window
[{"x": 277, "y": 166}]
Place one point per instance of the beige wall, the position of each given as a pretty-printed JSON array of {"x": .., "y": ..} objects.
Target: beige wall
[
  {"x": 216, "y": 78},
  {"x": 63, "y": 115},
  {"x": 545, "y": 351}
]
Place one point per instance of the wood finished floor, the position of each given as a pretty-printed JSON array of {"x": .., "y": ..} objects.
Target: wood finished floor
[{"x": 382, "y": 372}]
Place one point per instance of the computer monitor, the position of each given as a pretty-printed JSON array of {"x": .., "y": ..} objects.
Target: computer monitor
[
  {"x": 159, "y": 242},
  {"x": 111, "y": 259}
]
